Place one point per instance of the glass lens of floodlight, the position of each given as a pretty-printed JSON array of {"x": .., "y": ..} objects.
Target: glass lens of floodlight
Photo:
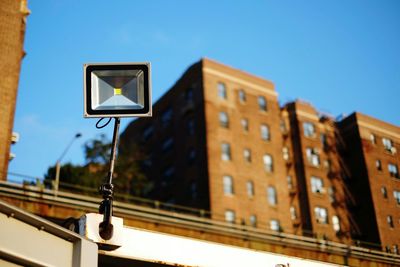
[{"x": 117, "y": 89}]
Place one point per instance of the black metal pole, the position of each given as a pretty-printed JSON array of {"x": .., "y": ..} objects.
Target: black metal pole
[{"x": 106, "y": 228}]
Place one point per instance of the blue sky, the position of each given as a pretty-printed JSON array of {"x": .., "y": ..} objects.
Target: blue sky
[{"x": 340, "y": 55}]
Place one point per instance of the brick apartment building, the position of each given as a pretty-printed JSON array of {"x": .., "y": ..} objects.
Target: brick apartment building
[
  {"x": 13, "y": 15},
  {"x": 314, "y": 173},
  {"x": 219, "y": 141},
  {"x": 371, "y": 150}
]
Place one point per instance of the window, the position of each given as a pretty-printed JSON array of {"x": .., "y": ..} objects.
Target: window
[
  {"x": 262, "y": 103},
  {"x": 289, "y": 182},
  {"x": 274, "y": 225},
  {"x": 250, "y": 188},
  {"x": 396, "y": 195},
  {"x": 312, "y": 156},
  {"x": 190, "y": 127},
  {"x": 378, "y": 165},
  {"x": 247, "y": 154},
  {"x": 372, "y": 138},
  {"x": 316, "y": 185},
  {"x": 389, "y": 220},
  {"x": 167, "y": 144},
  {"x": 328, "y": 165},
  {"x": 168, "y": 173},
  {"x": 387, "y": 143},
  {"x": 226, "y": 151},
  {"x": 148, "y": 132},
  {"x": 336, "y": 223},
  {"x": 321, "y": 215},
  {"x": 193, "y": 190},
  {"x": 332, "y": 194},
  {"x": 191, "y": 155},
  {"x": 228, "y": 185},
  {"x": 230, "y": 216},
  {"x": 148, "y": 162},
  {"x": 242, "y": 95},
  {"x": 309, "y": 129},
  {"x": 223, "y": 119},
  {"x": 271, "y": 195},
  {"x": 324, "y": 140},
  {"x": 393, "y": 170},
  {"x": 222, "y": 90},
  {"x": 245, "y": 124},
  {"x": 285, "y": 153},
  {"x": 268, "y": 164},
  {"x": 253, "y": 220},
  {"x": 384, "y": 192},
  {"x": 166, "y": 117},
  {"x": 283, "y": 127},
  {"x": 189, "y": 94},
  {"x": 293, "y": 213},
  {"x": 264, "y": 132}
]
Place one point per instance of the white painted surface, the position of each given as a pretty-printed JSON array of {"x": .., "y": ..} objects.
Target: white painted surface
[
  {"x": 27, "y": 242},
  {"x": 158, "y": 247}
]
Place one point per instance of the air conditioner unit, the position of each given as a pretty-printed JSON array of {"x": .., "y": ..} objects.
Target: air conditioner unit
[
  {"x": 14, "y": 138},
  {"x": 393, "y": 150},
  {"x": 322, "y": 190},
  {"x": 11, "y": 157}
]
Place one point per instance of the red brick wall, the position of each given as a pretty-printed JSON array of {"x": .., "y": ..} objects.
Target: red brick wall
[
  {"x": 12, "y": 31},
  {"x": 240, "y": 170},
  {"x": 299, "y": 113},
  {"x": 377, "y": 179}
]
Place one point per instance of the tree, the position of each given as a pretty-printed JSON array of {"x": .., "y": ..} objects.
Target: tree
[
  {"x": 128, "y": 175},
  {"x": 98, "y": 150},
  {"x": 73, "y": 178}
]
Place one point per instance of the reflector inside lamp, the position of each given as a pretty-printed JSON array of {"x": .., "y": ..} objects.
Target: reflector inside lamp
[{"x": 117, "y": 90}]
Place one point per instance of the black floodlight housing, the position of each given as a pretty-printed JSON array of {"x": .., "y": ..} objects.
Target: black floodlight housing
[{"x": 117, "y": 90}]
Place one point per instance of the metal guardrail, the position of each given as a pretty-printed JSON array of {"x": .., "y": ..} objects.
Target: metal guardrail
[
  {"x": 88, "y": 191},
  {"x": 125, "y": 198},
  {"x": 174, "y": 218}
]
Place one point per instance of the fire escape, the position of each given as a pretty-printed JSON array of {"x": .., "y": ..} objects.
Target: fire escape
[
  {"x": 344, "y": 177},
  {"x": 291, "y": 183}
]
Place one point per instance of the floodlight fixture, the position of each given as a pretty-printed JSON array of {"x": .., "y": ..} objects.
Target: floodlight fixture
[{"x": 117, "y": 90}]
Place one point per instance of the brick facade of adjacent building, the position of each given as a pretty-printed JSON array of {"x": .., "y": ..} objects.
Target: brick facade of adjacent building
[
  {"x": 372, "y": 150},
  {"x": 219, "y": 141},
  {"x": 12, "y": 31},
  {"x": 316, "y": 171}
]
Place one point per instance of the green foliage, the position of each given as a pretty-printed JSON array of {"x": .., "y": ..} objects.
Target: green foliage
[
  {"x": 71, "y": 175},
  {"x": 98, "y": 150},
  {"x": 128, "y": 176}
]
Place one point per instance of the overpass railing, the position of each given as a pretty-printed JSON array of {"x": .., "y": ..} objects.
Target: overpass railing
[{"x": 158, "y": 212}]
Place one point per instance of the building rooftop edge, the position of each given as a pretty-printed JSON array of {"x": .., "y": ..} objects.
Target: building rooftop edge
[
  {"x": 365, "y": 118},
  {"x": 207, "y": 61},
  {"x": 373, "y": 124}
]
